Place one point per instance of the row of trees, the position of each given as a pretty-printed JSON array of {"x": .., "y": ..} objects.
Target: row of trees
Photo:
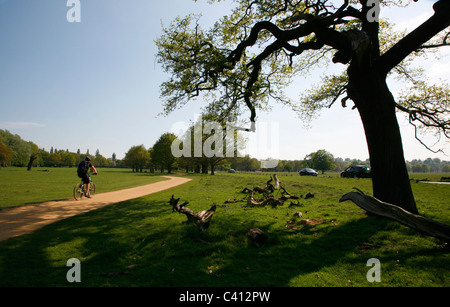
[
  {"x": 17, "y": 152},
  {"x": 55, "y": 158},
  {"x": 160, "y": 157}
]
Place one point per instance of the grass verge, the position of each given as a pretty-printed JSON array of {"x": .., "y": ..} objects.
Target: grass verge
[{"x": 20, "y": 187}]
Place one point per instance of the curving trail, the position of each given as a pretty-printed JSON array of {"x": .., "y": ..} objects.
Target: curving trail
[{"x": 25, "y": 219}]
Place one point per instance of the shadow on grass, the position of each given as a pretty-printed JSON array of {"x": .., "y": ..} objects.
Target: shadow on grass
[{"x": 140, "y": 243}]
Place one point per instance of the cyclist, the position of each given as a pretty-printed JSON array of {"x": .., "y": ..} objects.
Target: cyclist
[{"x": 83, "y": 173}]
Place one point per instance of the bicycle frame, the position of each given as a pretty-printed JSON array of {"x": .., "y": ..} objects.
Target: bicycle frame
[{"x": 80, "y": 189}]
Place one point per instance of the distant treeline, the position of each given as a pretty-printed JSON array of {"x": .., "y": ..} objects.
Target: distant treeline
[{"x": 14, "y": 151}]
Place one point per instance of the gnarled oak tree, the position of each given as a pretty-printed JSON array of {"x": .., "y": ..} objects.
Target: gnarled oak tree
[{"x": 248, "y": 57}]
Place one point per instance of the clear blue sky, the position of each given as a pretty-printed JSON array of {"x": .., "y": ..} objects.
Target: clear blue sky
[{"x": 95, "y": 84}]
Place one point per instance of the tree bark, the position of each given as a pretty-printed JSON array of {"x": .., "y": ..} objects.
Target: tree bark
[
  {"x": 368, "y": 89},
  {"x": 30, "y": 162}
]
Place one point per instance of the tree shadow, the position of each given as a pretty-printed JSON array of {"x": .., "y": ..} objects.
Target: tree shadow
[{"x": 141, "y": 243}]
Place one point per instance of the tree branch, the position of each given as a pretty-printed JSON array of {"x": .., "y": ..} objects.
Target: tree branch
[
  {"x": 411, "y": 42},
  {"x": 419, "y": 223}
]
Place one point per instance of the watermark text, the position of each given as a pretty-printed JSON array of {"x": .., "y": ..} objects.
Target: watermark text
[{"x": 74, "y": 13}]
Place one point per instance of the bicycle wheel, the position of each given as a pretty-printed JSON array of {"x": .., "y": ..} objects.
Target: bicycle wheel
[
  {"x": 78, "y": 191},
  {"x": 92, "y": 189}
]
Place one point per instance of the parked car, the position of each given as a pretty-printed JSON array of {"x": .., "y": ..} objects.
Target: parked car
[
  {"x": 231, "y": 170},
  {"x": 357, "y": 171},
  {"x": 307, "y": 172}
]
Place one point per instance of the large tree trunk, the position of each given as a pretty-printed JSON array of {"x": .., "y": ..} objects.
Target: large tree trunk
[
  {"x": 30, "y": 162},
  {"x": 376, "y": 106}
]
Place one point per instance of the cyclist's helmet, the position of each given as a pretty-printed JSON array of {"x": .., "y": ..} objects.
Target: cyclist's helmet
[{"x": 88, "y": 158}]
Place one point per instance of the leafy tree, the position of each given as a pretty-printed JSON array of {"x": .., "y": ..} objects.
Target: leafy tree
[
  {"x": 445, "y": 168},
  {"x": 247, "y": 58},
  {"x": 137, "y": 158},
  {"x": 113, "y": 160},
  {"x": 99, "y": 160},
  {"x": 245, "y": 163},
  {"x": 54, "y": 159},
  {"x": 321, "y": 160},
  {"x": 21, "y": 150},
  {"x": 161, "y": 153},
  {"x": 68, "y": 158},
  {"x": 5, "y": 154},
  {"x": 214, "y": 144}
]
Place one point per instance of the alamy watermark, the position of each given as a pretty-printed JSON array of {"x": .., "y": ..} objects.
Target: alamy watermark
[
  {"x": 374, "y": 274},
  {"x": 73, "y": 274},
  {"x": 374, "y": 12},
  {"x": 211, "y": 139},
  {"x": 74, "y": 13}
]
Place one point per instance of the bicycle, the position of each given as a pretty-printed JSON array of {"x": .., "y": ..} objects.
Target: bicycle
[{"x": 80, "y": 189}]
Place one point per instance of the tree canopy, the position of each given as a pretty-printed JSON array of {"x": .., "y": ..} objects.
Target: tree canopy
[
  {"x": 137, "y": 158},
  {"x": 321, "y": 160},
  {"x": 161, "y": 153},
  {"x": 15, "y": 151},
  {"x": 248, "y": 58}
]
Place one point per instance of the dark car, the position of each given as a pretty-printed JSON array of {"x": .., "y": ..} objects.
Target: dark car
[
  {"x": 357, "y": 171},
  {"x": 307, "y": 172}
]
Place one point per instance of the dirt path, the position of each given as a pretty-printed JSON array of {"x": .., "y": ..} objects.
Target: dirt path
[{"x": 25, "y": 219}]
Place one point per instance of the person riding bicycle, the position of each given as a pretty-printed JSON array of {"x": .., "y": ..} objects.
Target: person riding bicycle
[{"x": 83, "y": 173}]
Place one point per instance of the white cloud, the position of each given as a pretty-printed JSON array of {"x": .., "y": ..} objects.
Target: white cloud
[{"x": 20, "y": 125}]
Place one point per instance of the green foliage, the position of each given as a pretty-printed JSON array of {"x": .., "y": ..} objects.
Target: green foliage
[
  {"x": 5, "y": 154},
  {"x": 161, "y": 153},
  {"x": 249, "y": 57},
  {"x": 321, "y": 160},
  {"x": 19, "y": 151},
  {"x": 137, "y": 158}
]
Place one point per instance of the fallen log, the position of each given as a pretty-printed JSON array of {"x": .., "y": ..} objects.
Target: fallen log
[
  {"x": 269, "y": 188},
  {"x": 201, "y": 219},
  {"x": 417, "y": 222},
  {"x": 272, "y": 185},
  {"x": 266, "y": 200}
]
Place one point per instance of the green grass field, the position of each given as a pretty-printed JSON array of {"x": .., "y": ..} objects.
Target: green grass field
[
  {"x": 19, "y": 186},
  {"x": 141, "y": 242}
]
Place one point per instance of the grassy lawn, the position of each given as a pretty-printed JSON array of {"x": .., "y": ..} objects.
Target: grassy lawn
[
  {"x": 142, "y": 243},
  {"x": 19, "y": 186}
]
